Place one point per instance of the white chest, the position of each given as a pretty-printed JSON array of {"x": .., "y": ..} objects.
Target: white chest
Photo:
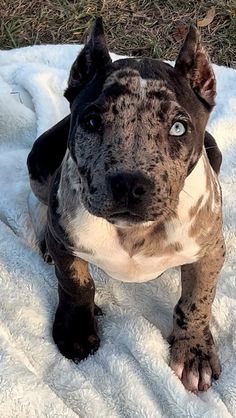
[{"x": 101, "y": 246}]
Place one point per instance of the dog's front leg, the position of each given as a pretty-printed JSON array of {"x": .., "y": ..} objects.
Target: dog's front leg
[
  {"x": 193, "y": 354},
  {"x": 74, "y": 328}
]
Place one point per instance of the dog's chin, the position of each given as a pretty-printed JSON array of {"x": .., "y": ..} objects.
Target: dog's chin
[
  {"x": 127, "y": 220},
  {"x": 120, "y": 222},
  {"x": 123, "y": 219}
]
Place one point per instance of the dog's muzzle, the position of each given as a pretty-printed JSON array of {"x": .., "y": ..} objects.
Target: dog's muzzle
[{"x": 129, "y": 192}]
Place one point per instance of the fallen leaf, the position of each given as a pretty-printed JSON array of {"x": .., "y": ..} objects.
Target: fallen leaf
[{"x": 208, "y": 19}]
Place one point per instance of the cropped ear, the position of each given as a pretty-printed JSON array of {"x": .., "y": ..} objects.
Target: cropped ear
[
  {"x": 93, "y": 57},
  {"x": 194, "y": 64}
]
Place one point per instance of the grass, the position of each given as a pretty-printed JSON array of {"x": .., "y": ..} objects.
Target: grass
[{"x": 143, "y": 27}]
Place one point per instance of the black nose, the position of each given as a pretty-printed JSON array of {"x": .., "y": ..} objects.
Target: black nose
[{"x": 129, "y": 188}]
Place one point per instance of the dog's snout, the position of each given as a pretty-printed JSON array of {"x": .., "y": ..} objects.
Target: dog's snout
[{"x": 128, "y": 187}]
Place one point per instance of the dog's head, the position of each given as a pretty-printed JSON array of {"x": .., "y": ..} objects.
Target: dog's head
[{"x": 137, "y": 127}]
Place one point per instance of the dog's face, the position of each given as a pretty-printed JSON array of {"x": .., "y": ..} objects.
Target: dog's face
[{"x": 137, "y": 128}]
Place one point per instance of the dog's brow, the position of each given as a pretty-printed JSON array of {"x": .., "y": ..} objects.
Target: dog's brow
[
  {"x": 158, "y": 94},
  {"x": 122, "y": 82},
  {"x": 180, "y": 113},
  {"x": 117, "y": 89},
  {"x": 128, "y": 72}
]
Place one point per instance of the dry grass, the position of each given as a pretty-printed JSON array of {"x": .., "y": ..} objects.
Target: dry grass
[{"x": 142, "y": 27}]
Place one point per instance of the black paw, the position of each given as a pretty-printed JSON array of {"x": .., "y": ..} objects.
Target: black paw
[
  {"x": 75, "y": 335},
  {"x": 78, "y": 349}
]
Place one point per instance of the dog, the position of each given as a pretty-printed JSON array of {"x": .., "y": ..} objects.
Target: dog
[{"x": 129, "y": 180}]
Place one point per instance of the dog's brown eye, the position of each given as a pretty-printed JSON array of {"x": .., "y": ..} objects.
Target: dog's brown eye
[{"x": 92, "y": 122}]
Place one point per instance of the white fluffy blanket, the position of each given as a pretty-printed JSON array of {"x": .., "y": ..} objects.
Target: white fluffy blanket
[{"x": 129, "y": 376}]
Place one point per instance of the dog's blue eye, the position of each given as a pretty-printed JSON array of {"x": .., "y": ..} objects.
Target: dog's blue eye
[
  {"x": 92, "y": 123},
  {"x": 177, "y": 129}
]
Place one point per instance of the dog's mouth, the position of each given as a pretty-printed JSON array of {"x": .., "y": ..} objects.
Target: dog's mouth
[{"x": 125, "y": 218}]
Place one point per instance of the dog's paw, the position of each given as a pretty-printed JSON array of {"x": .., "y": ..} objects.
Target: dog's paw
[
  {"x": 76, "y": 338},
  {"x": 78, "y": 348},
  {"x": 194, "y": 360}
]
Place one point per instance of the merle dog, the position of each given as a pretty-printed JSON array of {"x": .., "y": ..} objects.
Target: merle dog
[{"x": 131, "y": 188}]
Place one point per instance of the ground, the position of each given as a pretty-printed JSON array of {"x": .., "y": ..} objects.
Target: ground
[{"x": 141, "y": 28}]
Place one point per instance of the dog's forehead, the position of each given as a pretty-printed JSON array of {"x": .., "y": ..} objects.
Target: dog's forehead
[
  {"x": 139, "y": 82},
  {"x": 144, "y": 82},
  {"x": 129, "y": 89},
  {"x": 130, "y": 81}
]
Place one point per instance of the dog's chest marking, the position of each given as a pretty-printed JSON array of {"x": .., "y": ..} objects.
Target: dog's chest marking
[
  {"x": 110, "y": 255},
  {"x": 143, "y": 256}
]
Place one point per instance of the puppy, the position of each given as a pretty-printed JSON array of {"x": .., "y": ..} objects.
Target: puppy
[{"x": 133, "y": 190}]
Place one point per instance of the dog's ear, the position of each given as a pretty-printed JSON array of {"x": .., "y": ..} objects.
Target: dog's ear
[
  {"x": 93, "y": 57},
  {"x": 194, "y": 64}
]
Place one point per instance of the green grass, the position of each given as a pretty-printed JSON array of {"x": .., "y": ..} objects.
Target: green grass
[{"x": 143, "y": 27}]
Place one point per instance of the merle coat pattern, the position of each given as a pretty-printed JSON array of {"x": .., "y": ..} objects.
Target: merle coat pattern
[{"x": 134, "y": 190}]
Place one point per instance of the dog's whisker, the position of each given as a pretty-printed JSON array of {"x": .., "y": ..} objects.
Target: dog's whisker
[
  {"x": 172, "y": 199},
  {"x": 170, "y": 211},
  {"x": 188, "y": 194}
]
